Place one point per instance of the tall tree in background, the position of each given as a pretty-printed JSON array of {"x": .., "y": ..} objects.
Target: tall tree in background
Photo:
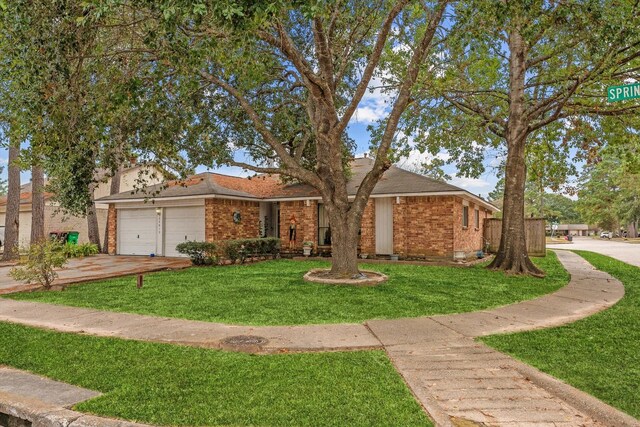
[
  {"x": 513, "y": 69},
  {"x": 608, "y": 190},
  {"x": 12, "y": 216},
  {"x": 37, "y": 204}
]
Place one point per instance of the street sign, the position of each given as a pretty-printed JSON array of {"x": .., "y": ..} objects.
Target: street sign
[{"x": 620, "y": 93}]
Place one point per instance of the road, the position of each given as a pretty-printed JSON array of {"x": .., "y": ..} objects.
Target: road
[{"x": 626, "y": 252}]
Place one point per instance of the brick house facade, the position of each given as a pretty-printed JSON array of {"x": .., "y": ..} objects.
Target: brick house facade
[{"x": 433, "y": 219}]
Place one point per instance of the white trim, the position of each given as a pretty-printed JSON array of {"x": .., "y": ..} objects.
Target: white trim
[{"x": 163, "y": 204}]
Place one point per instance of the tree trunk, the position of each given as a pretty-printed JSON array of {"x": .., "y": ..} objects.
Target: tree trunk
[
  {"x": 344, "y": 243},
  {"x": 12, "y": 216},
  {"x": 114, "y": 189},
  {"x": 512, "y": 255},
  {"x": 92, "y": 222},
  {"x": 37, "y": 204}
]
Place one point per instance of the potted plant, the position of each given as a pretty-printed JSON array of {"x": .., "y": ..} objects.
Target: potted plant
[
  {"x": 307, "y": 247},
  {"x": 364, "y": 255}
]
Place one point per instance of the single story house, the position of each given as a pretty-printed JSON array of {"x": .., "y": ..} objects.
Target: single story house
[
  {"x": 573, "y": 229},
  {"x": 55, "y": 220},
  {"x": 408, "y": 214}
]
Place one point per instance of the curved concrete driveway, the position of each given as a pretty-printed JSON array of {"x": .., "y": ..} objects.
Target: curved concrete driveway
[
  {"x": 457, "y": 380},
  {"x": 618, "y": 249}
]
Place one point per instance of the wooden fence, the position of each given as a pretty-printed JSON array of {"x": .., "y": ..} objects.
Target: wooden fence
[{"x": 534, "y": 232}]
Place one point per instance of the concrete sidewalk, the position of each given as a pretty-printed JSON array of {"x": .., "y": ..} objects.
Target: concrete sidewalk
[{"x": 456, "y": 379}]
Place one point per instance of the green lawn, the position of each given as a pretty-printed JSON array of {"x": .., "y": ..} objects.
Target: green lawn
[
  {"x": 173, "y": 385},
  {"x": 599, "y": 354},
  {"x": 273, "y": 293}
]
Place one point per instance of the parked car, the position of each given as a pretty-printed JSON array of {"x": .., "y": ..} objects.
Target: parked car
[{"x": 606, "y": 235}]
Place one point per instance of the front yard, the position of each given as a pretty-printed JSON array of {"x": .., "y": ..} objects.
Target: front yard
[
  {"x": 599, "y": 354},
  {"x": 273, "y": 293},
  {"x": 164, "y": 384}
]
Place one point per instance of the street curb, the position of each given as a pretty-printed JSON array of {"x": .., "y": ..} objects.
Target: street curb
[
  {"x": 40, "y": 414},
  {"x": 590, "y": 405}
]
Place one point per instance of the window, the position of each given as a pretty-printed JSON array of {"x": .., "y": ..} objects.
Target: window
[
  {"x": 465, "y": 216},
  {"x": 324, "y": 229},
  {"x": 477, "y": 219}
]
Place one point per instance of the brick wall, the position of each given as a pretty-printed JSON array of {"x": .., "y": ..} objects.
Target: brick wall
[
  {"x": 368, "y": 229},
  {"x": 468, "y": 239},
  {"x": 219, "y": 223},
  {"x": 112, "y": 224},
  {"x": 306, "y": 222},
  {"x": 422, "y": 226}
]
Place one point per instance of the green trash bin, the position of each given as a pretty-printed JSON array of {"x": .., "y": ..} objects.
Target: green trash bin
[{"x": 72, "y": 237}]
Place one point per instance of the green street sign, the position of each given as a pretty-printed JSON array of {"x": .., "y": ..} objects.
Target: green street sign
[{"x": 620, "y": 93}]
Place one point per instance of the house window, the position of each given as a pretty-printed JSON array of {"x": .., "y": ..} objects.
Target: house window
[
  {"x": 477, "y": 219},
  {"x": 465, "y": 216},
  {"x": 324, "y": 229}
]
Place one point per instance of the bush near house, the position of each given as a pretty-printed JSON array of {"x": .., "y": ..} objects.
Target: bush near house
[
  {"x": 209, "y": 253},
  {"x": 241, "y": 249},
  {"x": 72, "y": 250},
  {"x": 201, "y": 253}
]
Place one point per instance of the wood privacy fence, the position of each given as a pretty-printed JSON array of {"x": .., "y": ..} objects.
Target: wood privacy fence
[{"x": 534, "y": 232}]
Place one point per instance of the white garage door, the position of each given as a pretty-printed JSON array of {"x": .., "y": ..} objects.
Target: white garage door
[
  {"x": 137, "y": 231},
  {"x": 182, "y": 225}
]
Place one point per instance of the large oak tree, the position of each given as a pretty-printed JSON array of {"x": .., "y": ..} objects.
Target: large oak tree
[
  {"x": 273, "y": 87},
  {"x": 512, "y": 70}
]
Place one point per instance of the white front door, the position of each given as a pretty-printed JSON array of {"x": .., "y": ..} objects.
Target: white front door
[
  {"x": 181, "y": 225},
  {"x": 384, "y": 226},
  {"x": 137, "y": 231}
]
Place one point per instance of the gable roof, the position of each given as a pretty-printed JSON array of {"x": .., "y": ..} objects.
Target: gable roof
[{"x": 395, "y": 181}]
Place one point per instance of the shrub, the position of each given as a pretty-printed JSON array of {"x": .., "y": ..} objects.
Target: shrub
[
  {"x": 241, "y": 249},
  {"x": 201, "y": 253},
  {"x": 232, "y": 250},
  {"x": 42, "y": 258},
  {"x": 72, "y": 250}
]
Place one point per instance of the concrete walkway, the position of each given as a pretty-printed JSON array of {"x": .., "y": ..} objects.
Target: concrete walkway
[
  {"x": 96, "y": 267},
  {"x": 456, "y": 379}
]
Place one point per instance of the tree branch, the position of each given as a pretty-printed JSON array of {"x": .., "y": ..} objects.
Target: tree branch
[
  {"x": 372, "y": 64},
  {"x": 382, "y": 163},
  {"x": 294, "y": 169}
]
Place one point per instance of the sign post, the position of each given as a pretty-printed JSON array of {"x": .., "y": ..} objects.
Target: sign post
[{"x": 620, "y": 93}]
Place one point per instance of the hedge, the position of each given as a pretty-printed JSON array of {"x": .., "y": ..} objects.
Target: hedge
[{"x": 208, "y": 253}]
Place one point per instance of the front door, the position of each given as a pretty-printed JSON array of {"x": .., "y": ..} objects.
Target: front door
[{"x": 384, "y": 226}]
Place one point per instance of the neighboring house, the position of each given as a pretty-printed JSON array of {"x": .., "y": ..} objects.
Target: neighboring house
[
  {"x": 408, "y": 214},
  {"x": 574, "y": 229},
  {"x": 55, "y": 220}
]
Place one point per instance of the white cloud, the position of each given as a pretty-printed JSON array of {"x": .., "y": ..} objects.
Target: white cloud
[
  {"x": 416, "y": 159},
  {"x": 473, "y": 185},
  {"x": 374, "y": 104}
]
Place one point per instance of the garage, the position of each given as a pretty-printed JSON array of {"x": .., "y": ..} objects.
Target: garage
[
  {"x": 137, "y": 231},
  {"x": 182, "y": 224}
]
